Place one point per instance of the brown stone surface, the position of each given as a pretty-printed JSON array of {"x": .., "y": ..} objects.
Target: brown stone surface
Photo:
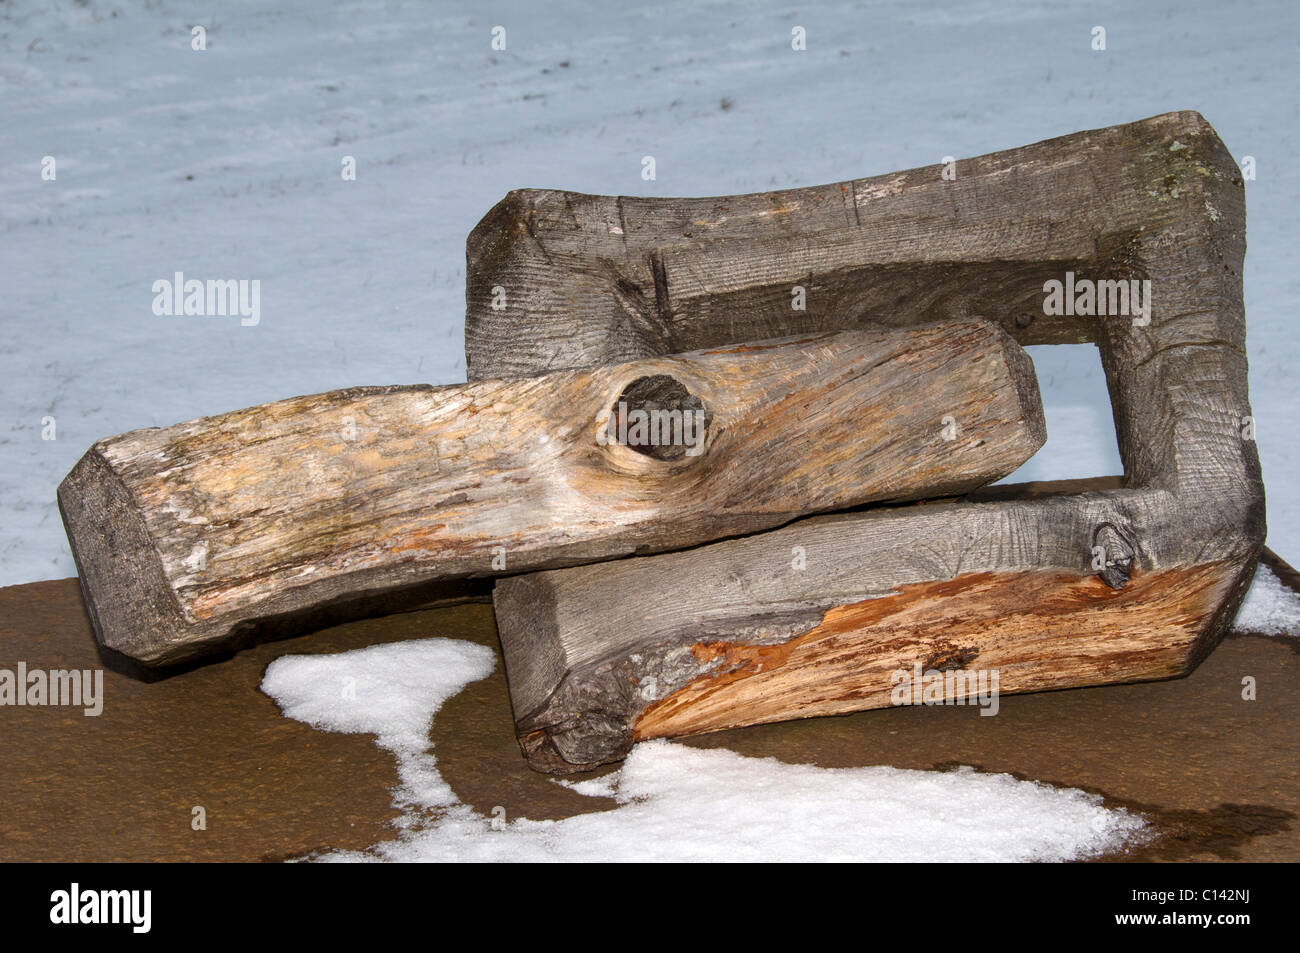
[{"x": 1219, "y": 776}]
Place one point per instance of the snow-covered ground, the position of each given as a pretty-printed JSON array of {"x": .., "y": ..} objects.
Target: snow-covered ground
[
  {"x": 226, "y": 162},
  {"x": 669, "y": 802},
  {"x": 1270, "y": 607}
]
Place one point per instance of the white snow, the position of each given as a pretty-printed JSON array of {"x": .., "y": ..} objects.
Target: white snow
[
  {"x": 225, "y": 164},
  {"x": 389, "y": 691},
  {"x": 670, "y": 802},
  {"x": 1269, "y": 606},
  {"x": 1080, "y": 431}
]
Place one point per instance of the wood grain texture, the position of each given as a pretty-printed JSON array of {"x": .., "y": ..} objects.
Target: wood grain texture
[
  {"x": 1160, "y": 200},
  {"x": 187, "y": 536},
  {"x": 1077, "y": 631}
]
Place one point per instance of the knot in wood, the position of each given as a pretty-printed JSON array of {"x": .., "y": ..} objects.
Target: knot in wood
[{"x": 1112, "y": 555}]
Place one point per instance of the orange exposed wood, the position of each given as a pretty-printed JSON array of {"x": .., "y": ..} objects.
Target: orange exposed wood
[{"x": 1038, "y": 630}]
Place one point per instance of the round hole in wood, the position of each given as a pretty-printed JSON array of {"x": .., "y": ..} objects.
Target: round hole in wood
[{"x": 659, "y": 417}]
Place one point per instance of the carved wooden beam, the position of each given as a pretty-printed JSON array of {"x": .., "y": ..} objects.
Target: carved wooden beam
[
  {"x": 189, "y": 538},
  {"x": 736, "y": 632}
]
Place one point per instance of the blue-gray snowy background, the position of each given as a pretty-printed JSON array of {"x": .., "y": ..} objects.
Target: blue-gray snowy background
[{"x": 225, "y": 163}]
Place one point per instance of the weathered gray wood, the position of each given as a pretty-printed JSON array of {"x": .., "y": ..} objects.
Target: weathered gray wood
[
  {"x": 734, "y": 633},
  {"x": 186, "y": 537}
]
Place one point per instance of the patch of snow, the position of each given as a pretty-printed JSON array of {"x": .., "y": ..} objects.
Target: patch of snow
[
  {"x": 389, "y": 691},
  {"x": 1269, "y": 606},
  {"x": 1076, "y": 408},
  {"x": 676, "y": 803}
]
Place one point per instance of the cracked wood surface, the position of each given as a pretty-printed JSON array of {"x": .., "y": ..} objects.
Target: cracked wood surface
[
  {"x": 1084, "y": 634},
  {"x": 1160, "y": 200},
  {"x": 187, "y": 538}
]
